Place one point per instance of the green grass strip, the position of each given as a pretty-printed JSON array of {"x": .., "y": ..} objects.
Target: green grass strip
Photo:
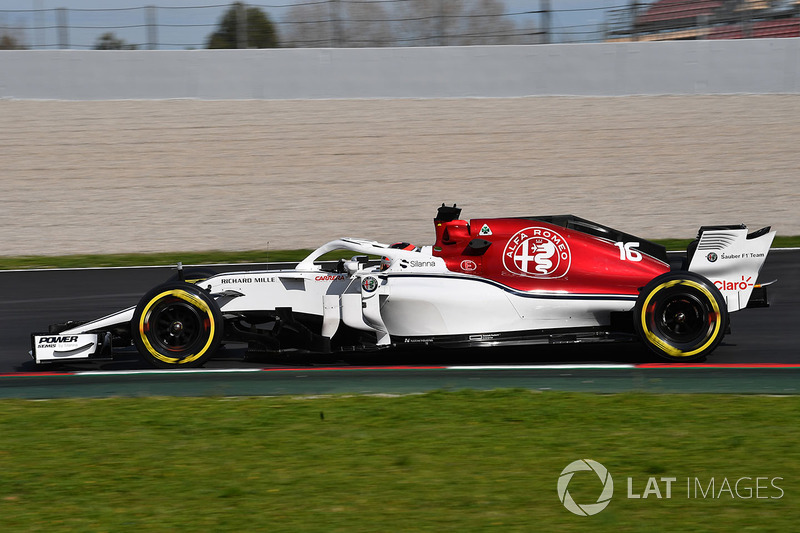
[
  {"x": 220, "y": 257},
  {"x": 160, "y": 259},
  {"x": 445, "y": 461}
]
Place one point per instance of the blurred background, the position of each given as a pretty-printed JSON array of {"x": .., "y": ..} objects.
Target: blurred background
[
  {"x": 194, "y": 24},
  {"x": 359, "y": 117}
]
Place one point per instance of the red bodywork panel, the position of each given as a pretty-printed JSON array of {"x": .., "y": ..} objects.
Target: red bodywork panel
[{"x": 533, "y": 255}]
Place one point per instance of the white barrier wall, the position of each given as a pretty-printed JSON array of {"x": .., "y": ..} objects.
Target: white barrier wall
[{"x": 760, "y": 66}]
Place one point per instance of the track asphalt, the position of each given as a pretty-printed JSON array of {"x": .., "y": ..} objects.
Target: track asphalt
[{"x": 30, "y": 300}]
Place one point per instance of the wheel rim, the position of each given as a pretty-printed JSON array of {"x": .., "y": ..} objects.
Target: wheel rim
[
  {"x": 682, "y": 319},
  {"x": 176, "y": 326}
]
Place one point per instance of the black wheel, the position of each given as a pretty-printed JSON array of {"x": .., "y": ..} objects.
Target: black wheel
[
  {"x": 681, "y": 316},
  {"x": 177, "y": 325}
]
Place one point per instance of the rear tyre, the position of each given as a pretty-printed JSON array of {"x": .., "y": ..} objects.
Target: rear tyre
[
  {"x": 177, "y": 325},
  {"x": 681, "y": 316}
]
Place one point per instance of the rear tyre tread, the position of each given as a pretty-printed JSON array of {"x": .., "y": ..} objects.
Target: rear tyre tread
[{"x": 681, "y": 316}]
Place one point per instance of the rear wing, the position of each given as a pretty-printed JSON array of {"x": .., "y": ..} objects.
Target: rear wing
[{"x": 731, "y": 259}]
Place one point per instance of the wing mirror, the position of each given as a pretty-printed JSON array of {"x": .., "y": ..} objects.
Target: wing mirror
[{"x": 355, "y": 264}]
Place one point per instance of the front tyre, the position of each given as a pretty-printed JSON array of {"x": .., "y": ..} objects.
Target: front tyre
[
  {"x": 177, "y": 325},
  {"x": 681, "y": 316}
]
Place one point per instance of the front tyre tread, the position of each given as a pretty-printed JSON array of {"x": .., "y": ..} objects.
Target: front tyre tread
[{"x": 177, "y": 325}]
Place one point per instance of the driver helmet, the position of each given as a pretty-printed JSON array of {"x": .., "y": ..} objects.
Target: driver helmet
[{"x": 387, "y": 262}]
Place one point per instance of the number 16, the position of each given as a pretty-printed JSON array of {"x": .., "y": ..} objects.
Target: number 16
[{"x": 627, "y": 252}]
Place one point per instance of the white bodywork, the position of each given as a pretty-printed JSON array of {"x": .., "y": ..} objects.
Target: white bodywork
[{"x": 415, "y": 296}]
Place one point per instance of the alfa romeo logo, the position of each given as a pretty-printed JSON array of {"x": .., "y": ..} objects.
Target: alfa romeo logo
[
  {"x": 537, "y": 253},
  {"x": 369, "y": 284},
  {"x": 587, "y": 509}
]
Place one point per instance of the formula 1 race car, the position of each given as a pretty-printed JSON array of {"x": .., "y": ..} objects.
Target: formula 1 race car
[{"x": 486, "y": 282}]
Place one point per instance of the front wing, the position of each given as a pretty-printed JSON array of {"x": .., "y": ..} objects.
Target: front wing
[{"x": 48, "y": 347}]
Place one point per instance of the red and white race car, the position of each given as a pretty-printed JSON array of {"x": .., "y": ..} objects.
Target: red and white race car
[{"x": 484, "y": 282}]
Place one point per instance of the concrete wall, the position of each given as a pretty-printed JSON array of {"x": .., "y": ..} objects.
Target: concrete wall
[
  {"x": 760, "y": 66},
  {"x": 163, "y": 175}
]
